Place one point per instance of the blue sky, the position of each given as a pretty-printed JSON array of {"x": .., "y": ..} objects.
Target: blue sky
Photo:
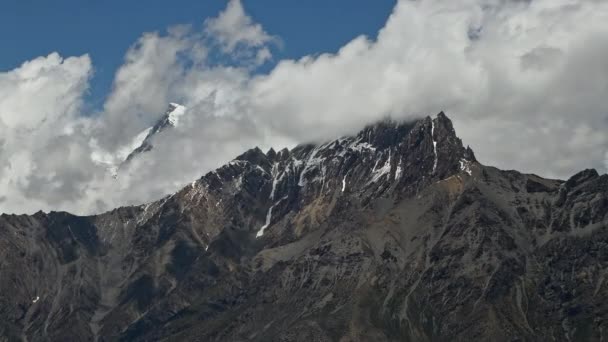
[{"x": 106, "y": 29}]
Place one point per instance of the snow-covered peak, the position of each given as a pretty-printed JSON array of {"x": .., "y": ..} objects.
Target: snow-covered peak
[
  {"x": 174, "y": 113},
  {"x": 141, "y": 143}
]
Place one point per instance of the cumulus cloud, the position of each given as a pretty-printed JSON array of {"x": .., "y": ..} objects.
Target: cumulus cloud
[
  {"x": 233, "y": 28},
  {"x": 39, "y": 109},
  {"x": 154, "y": 66},
  {"x": 44, "y": 88},
  {"x": 524, "y": 82}
]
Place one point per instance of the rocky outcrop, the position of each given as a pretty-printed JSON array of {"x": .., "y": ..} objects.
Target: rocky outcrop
[{"x": 395, "y": 234}]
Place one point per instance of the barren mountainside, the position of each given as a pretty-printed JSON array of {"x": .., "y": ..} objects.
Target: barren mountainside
[{"x": 395, "y": 234}]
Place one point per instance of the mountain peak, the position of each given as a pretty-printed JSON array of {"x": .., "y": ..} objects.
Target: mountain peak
[
  {"x": 426, "y": 137},
  {"x": 582, "y": 177},
  {"x": 447, "y": 140},
  {"x": 388, "y": 133},
  {"x": 169, "y": 120},
  {"x": 385, "y": 133},
  {"x": 255, "y": 156},
  {"x": 385, "y": 157}
]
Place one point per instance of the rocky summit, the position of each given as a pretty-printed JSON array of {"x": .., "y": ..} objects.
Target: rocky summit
[{"x": 395, "y": 234}]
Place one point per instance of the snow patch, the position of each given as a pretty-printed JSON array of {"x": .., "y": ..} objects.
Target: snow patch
[
  {"x": 124, "y": 152},
  {"x": 344, "y": 183},
  {"x": 399, "y": 171},
  {"x": 175, "y": 114},
  {"x": 261, "y": 169},
  {"x": 385, "y": 169},
  {"x": 310, "y": 164},
  {"x": 434, "y": 144},
  {"x": 268, "y": 218},
  {"x": 240, "y": 163},
  {"x": 36, "y": 299},
  {"x": 323, "y": 173},
  {"x": 360, "y": 146},
  {"x": 465, "y": 166},
  {"x": 276, "y": 179},
  {"x": 238, "y": 185}
]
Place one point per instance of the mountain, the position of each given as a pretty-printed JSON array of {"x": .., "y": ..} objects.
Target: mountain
[
  {"x": 395, "y": 234},
  {"x": 168, "y": 120},
  {"x": 141, "y": 143}
]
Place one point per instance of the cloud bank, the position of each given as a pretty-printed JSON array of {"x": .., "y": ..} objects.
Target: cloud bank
[{"x": 524, "y": 82}]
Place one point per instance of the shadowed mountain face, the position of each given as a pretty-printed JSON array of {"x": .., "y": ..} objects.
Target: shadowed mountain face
[{"x": 395, "y": 234}]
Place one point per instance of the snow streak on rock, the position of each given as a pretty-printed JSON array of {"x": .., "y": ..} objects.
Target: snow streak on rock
[{"x": 434, "y": 144}]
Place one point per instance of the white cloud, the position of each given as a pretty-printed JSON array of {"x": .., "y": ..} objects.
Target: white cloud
[
  {"x": 44, "y": 89},
  {"x": 233, "y": 28},
  {"x": 39, "y": 108},
  {"x": 524, "y": 82},
  {"x": 527, "y": 76},
  {"x": 145, "y": 83}
]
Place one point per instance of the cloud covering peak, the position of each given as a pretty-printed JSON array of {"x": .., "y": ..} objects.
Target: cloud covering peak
[{"x": 523, "y": 81}]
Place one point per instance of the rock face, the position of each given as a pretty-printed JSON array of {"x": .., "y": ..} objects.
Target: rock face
[{"x": 395, "y": 234}]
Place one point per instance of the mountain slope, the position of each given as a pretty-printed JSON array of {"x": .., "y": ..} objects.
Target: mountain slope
[{"x": 394, "y": 234}]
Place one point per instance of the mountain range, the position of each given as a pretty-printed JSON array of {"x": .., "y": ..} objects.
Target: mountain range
[{"x": 397, "y": 233}]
